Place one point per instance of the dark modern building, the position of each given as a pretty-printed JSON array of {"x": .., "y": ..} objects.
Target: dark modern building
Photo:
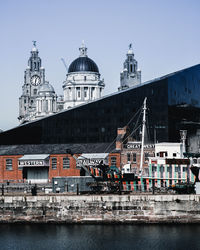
[{"x": 173, "y": 103}]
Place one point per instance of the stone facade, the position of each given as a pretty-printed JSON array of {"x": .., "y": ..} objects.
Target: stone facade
[
  {"x": 130, "y": 75},
  {"x": 83, "y": 83},
  {"x": 38, "y": 99},
  {"x": 127, "y": 209}
]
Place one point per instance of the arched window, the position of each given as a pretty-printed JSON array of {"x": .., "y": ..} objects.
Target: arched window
[
  {"x": 131, "y": 68},
  {"x": 66, "y": 163}
]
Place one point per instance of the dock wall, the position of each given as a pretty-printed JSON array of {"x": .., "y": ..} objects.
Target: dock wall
[{"x": 100, "y": 209}]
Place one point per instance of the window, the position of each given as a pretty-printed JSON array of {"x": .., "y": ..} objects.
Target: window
[
  {"x": 134, "y": 157},
  {"x": 78, "y": 92},
  {"x": 128, "y": 157},
  {"x": 174, "y": 154},
  {"x": 84, "y": 78},
  {"x": 46, "y": 108},
  {"x": 85, "y": 92},
  {"x": 66, "y": 163},
  {"x": 169, "y": 170},
  {"x": 92, "y": 92},
  {"x": 184, "y": 169},
  {"x": 9, "y": 164},
  {"x": 113, "y": 161},
  {"x": 54, "y": 163},
  {"x": 131, "y": 68},
  {"x": 161, "y": 171},
  {"x": 35, "y": 91}
]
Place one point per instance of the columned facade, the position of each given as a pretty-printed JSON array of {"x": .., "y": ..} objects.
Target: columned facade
[
  {"x": 83, "y": 83},
  {"x": 46, "y": 101}
]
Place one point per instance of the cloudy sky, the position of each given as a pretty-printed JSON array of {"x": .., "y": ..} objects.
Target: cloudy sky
[{"x": 165, "y": 37}]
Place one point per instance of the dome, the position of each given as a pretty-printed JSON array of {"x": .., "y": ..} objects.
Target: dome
[
  {"x": 83, "y": 64},
  {"x": 46, "y": 87}
]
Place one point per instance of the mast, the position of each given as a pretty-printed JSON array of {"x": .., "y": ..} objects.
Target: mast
[{"x": 143, "y": 130}]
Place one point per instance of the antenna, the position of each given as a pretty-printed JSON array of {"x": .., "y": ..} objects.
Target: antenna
[{"x": 65, "y": 65}]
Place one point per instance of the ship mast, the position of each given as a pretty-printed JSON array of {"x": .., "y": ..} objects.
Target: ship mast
[{"x": 143, "y": 130}]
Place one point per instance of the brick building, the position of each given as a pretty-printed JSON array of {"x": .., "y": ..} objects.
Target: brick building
[
  {"x": 131, "y": 152},
  {"x": 42, "y": 162}
]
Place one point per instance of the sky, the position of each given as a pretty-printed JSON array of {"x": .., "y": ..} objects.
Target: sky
[{"x": 165, "y": 37}]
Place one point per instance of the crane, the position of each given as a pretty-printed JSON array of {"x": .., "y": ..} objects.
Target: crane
[{"x": 65, "y": 65}]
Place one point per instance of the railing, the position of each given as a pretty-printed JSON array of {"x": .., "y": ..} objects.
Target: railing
[{"x": 108, "y": 187}]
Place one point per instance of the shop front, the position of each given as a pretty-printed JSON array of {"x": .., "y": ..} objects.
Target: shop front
[{"x": 35, "y": 168}]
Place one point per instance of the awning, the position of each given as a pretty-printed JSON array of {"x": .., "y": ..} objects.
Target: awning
[
  {"x": 37, "y": 160},
  {"x": 93, "y": 159},
  {"x": 34, "y": 157}
]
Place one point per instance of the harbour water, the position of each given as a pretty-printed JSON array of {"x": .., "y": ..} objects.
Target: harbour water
[{"x": 51, "y": 236}]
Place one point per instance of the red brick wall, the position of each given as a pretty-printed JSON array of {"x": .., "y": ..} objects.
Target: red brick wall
[
  {"x": 125, "y": 151},
  {"x": 118, "y": 159},
  {"x": 15, "y": 173},
  {"x": 59, "y": 171}
]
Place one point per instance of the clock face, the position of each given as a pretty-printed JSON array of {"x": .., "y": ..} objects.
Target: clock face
[{"x": 35, "y": 80}]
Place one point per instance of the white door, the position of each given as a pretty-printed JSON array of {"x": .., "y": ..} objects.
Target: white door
[{"x": 37, "y": 175}]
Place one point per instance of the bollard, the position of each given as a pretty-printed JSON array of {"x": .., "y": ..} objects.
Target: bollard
[
  {"x": 34, "y": 190},
  {"x": 77, "y": 189},
  {"x": 153, "y": 186}
]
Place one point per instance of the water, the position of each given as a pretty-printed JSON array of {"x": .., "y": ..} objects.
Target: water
[{"x": 94, "y": 237}]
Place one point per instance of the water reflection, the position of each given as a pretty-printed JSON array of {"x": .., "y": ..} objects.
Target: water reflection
[{"x": 40, "y": 236}]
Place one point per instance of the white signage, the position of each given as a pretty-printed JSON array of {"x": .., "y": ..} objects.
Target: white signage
[
  {"x": 31, "y": 163},
  {"x": 138, "y": 146},
  {"x": 87, "y": 162}
]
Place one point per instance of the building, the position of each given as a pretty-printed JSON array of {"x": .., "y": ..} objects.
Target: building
[
  {"x": 83, "y": 83},
  {"x": 40, "y": 163},
  {"x": 130, "y": 75},
  {"x": 131, "y": 153},
  {"x": 38, "y": 99},
  {"x": 168, "y": 166},
  {"x": 172, "y": 101}
]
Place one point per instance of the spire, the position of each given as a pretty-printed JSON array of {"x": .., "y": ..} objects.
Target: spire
[
  {"x": 83, "y": 50},
  {"x": 130, "y": 50},
  {"x": 34, "y": 46}
]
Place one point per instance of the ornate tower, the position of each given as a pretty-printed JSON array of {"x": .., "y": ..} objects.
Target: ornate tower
[
  {"x": 130, "y": 75},
  {"x": 34, "y": 76},
  {"x": 83, "y": 83}
]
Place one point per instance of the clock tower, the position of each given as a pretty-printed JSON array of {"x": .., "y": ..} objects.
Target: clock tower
[{"x": 34, "y": 76}]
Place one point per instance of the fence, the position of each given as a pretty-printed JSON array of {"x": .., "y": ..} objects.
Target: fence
[{"x": 117, "y": 187}]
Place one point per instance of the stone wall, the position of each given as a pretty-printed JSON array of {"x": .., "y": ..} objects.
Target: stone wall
[{"x": 101, "y": 209}]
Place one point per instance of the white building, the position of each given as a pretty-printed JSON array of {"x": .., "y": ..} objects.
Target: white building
[
  {"x": 130, "y": 75},
  {"x": 168, "y": 150},
  {"x": 38, "y": 99},
  {"x": 46, "y": 101},
  {"x": 83, "y": 83}
]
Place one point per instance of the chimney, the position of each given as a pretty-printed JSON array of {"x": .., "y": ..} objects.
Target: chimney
[{"x": 120, "y": 137}]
